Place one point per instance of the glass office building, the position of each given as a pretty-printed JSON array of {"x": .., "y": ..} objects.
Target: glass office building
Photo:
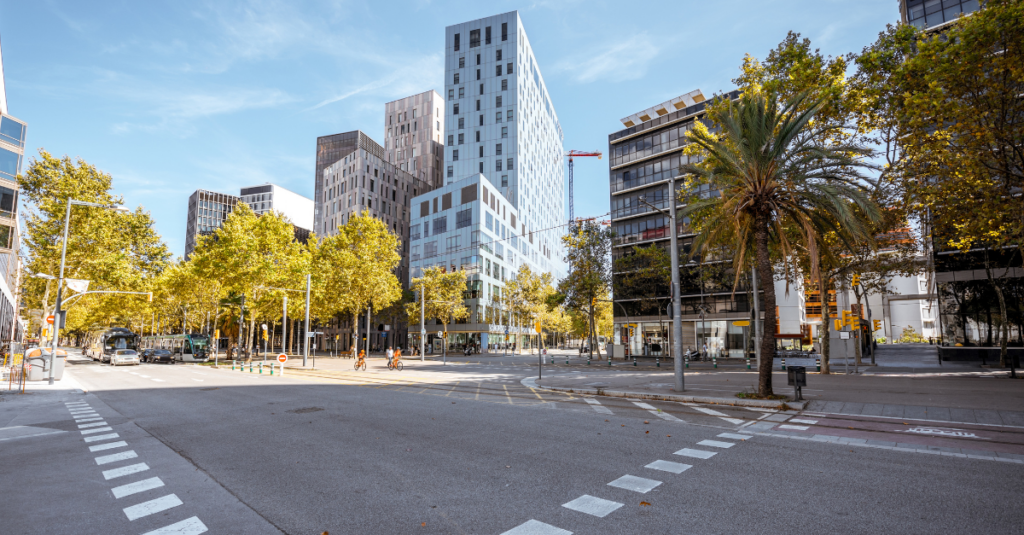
[
  {"x": 933, "y": 14},
  {"x": 12, "y": 153}
]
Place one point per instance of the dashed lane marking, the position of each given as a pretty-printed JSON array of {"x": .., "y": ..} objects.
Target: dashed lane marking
[
  {"x": 125, "y": 471},
  {"x": 716, "y": 444},
  {"x": 536, "y": 527},
  {"x": 191, "y": 526},
  {"x": 592, "y": 506},
  {"x": 596, "y": 405},
  {"x": 123, "y": 456},
  {"x": 656, "y": 412},
  {"x": 713, "y": 412},
  {"x": 97, "y": 430},
  {"x": 669, "y": 466},
  {"x": 635, "y": 484},
  {"x": 735, "y": 436},
  {"x": 88, "y": 419},
  {"x": 697, "y": 454},
  {"x": 98, "y": 438},
  {"x": 158, "y": 380},
  {"x": 137, "y": 487},
  {"x": 86, "y": 426},
  {"x": 108, "y": 446},
  {"x": 794, "y": 427},
  {"x": 194, "y": 379},
  {"x": 800, "y": 421},
  {"x": 154, "y": 506}
]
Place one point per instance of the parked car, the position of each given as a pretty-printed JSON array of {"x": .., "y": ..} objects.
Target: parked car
[
  {"x": 124, "y": 356},
  {"x": 157, "y": 355}
]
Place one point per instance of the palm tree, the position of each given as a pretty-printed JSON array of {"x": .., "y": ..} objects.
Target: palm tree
[{"x": 768, "y": 175}]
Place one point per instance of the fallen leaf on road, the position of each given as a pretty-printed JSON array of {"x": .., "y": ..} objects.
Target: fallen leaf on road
[
  {"x": 647, "y": 432},
  {"x": 646, "y": 422},
  {"x": 606, "y": 420},
  {"x": 670, "y": 436},
  {"x": 645, "y": 504},
  {"x": 423, "y": 524}
]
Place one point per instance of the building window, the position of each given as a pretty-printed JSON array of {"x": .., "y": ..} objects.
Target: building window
[
  {"x": 415, "y": 252},
  {"x": 478, "y": 136},
  {"x": 487, "y": 35},
  {"x": 504, "y": 180},
  {"x": 478, "y": 74},
  {"x": 457, "y": 42},
  {"x": 451, "y": 94},
  {"x": 414, "y": 232},
  {"x": 497, "y": 116},
  {"x": 462, "y": 62},
  {"x": 489, "y": 221},
  {"x": 430, "y": 249},
  {"x": 462, "y": 120},
  {"x": 497, "y": 101},
  {"x": 481, "y": 149},
  {"x": 498, "y": 52},
  {"x": 504, "y": 129},
  {"x": 456, "y": 78},
  {"x": 474, "y": 38},
  {"x": 440, "y": 225},
  {"x": 504, "y": 83},
  {"x": 481, "y": 120},
  {"x": 474, "y": 238},
  {"x": 509, "y": 114},
  {"x": 455, "y": 109},
  {"x": 455, "y": 155},
  {"x": 462, "y": 92},
  {"x": 453, "y": 243},
  {"x": 508, "y": 68},
  {"x": 478, "y": 59},
  {"x": 497, "y": 70},
  {"x": 509, "y": 164},
  {"x": 450, "y": 172},
  {"x": 497, "y": 165},
  {"x": 451, "y": 140},
  {"x": 481, "y": 89},
  {"x": 504, "y": 31},
  {"x": 480, "y": 166},
  {"x": 497, "y": 150},
  {"x": 478, "y": 105},
  {"x": 462, "y": 138},
  {"x": 464, "y": 218}
]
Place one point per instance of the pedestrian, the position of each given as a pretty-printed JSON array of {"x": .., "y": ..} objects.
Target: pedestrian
[{"x": 390, "y": 354}]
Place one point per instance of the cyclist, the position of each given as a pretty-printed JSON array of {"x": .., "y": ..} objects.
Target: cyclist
[{"x": 397, "y": 358}]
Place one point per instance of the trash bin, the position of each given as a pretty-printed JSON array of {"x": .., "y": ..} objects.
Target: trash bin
[
  {"x": 34, "y": 368},
  {"x": 58, "y": 366}
]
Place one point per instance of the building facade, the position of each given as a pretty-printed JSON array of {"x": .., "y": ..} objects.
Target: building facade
[
  {"x": 934, "y": 14},
  {"x": 501, "y": 124},
  {"x": 12, "y": 153},
  {"x": 271, "y": 197},
  {"x": 207, "y": 210},
  {"x": 413, "y": 127}
]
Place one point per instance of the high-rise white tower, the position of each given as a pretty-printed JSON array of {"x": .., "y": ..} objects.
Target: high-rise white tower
[{"x": 501, "y": 124}]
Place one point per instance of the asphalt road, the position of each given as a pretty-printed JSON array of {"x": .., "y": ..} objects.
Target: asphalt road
[{"x": 468, "y": 448}]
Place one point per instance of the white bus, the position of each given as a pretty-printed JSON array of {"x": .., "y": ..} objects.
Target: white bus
[{"x": 183, "y": 347}]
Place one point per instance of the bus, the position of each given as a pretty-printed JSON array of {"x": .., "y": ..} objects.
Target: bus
[
  {"x": 110, "y": 341},
  {"x": 183, "y": 347}
]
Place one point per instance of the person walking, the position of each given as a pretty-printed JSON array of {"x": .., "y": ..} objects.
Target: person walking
[{"x": 390, "y": 354}]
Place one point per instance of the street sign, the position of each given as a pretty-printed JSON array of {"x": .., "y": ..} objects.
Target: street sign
[
  {"x": 282, "y": 358},
  {"x": 506, "y": 331},
  {"x": 741, "y": 323},
  {"x": 49, "y": 319},
  {"x": 439, "y": 333},
  {"x": 423, "y": 331}
]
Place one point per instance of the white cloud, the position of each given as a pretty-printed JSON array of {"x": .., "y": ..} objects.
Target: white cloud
[
  {"x": 623, "y": 60},
  {"x": 412, "y": 76}
]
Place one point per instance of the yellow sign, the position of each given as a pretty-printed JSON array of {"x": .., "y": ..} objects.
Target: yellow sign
[{"x": 741, "y": 323}]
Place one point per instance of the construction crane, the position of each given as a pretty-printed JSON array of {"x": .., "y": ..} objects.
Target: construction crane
[{"x": 575, "y": 154}]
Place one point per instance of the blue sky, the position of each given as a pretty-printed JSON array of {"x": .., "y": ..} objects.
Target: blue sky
[{"x": 169, "y": 97}]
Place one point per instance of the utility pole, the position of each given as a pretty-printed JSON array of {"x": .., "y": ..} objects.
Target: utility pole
[
  {"x": 305, "y": 351},
  {"x": 284, "y": 325},
  {"x": 423, "y": 325}
]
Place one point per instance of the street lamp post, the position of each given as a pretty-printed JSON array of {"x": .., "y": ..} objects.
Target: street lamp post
[
  {"x": 305, "y": 352},
  {"x": 60, "y": 279},
  {"x": 677, "y": 320}
]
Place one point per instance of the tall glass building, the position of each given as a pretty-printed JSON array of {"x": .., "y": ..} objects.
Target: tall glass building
[
  {"x": 933, "y": 14},
  {"x": 12, "y": 152}
]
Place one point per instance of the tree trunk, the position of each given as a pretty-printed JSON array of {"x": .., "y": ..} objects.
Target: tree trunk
[
  {"x": 858, "y": 332},
  {"x": 767, "y": 282},
  {"x": 826, "y": 321},
  {"x": 1002, "y": 315}
]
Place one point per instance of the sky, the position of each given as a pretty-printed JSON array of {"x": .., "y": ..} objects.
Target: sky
[{"x": 172, "y": 96}]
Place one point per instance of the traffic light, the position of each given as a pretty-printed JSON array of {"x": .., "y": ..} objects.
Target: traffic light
[
  {"x": 856, "y": 280},
  {"x": 876, "y": 325},
  {"x": 838, "y": 324},
  {"x": 847, "y": 318},
  {"x": 150, "y": 297}
]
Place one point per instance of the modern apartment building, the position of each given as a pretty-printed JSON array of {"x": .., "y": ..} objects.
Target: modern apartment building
[
  {"x": 501, "y": 124},
  {"x": 12, "y": 152},
  {"x": 413, "y": 127},
  {"x": 503, "y": 203},
  {"x": 361, "y": 178},
  {"x": 207, "y": 210},
  {"x": 934, "y": 14}
]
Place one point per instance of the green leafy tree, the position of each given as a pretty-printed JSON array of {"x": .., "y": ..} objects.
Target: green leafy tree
[
  {"x": 589, "y": 278},
  {"x": 443, "y": 296}
]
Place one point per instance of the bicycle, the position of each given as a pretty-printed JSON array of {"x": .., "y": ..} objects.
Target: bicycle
[
  {"x": 396, "y": 363},
  {"x": 361, "y": 363}
]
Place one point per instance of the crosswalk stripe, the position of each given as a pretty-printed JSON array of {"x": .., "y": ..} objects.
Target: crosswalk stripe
[
  {"x": 716, "y": 444},
  {"x": 635, "y": 484},
  {"x": 79, "y": 420},
  {"x": 98, "y": 438},
  {"x": 794, "y": 427},
  {"x": 124, "y": 455},
  {"x": 86, "y": 426},
  {"x": 596, "y": 405},
  {"x": 736, "y": 436},
  {"x": 107, "y": 446},
  {"x": 137, "y": 487},
  {"x": 536, "y": 527},
  {"x": 721, "y": 415},
  {"x": 697, "y": 454},
  {"x": 191, "y": 526},
  {"x": 669, "y": 466},
  {"x": 98, "y": 430},
  {"x": 800, "y": 421},
  {"x": 654, "y": 411},
  {"x": 125, "y": 471},
  {"x": 154, "y": 506},
  {"x": 592, "y": 506}
]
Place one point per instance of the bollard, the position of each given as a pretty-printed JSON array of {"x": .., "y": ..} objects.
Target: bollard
[
  {"x": 817, "y": 362},
  {"x": 748, "y": 363},
  {"x": 657, "y": 362},
  {"x": 567, "y": 359},
  {"x": 714, "y": 362},
  {"x": 686, "y": 361},
  {"x": 634, "y": 361},
  {"x": 609, "y": 361},
  {"x": 783, "y": 364},
  {"x": 232, "y": 365},
  {"x": 271, "y": 369},
  {"x": 250, "y": 366},
  {"x": 261, "y": 368},
  {"x": 588, "y": 361}
]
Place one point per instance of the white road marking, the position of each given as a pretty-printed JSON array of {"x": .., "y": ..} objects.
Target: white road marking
[
  {"x": 656, "y": 412},
  {"x": 735, "y": 436},
  {"x": 125, "y": 471},
  {"x": 140, "y": 375},
  {"x": 98, "y": 430},
  {"x": 715, "y": 444},
  {"x": 77, "y": 404},
  {"x": 194, "y": 379},
  {"x": 97, "y": 424},
  {"x": 92, "y": 419},
  {"x": 123, "y": 456},
  {"x": 777, "y": 417},
  {"x": 592, "y": 506},
  {"x": 698, "y": 454},
  {"x": 596, "y": 405},
  {"x": 158, "y": 380},
  {"x": 83, "y": 411},
  {"x": 669, "y": 466},
  {"x": 536, "y": 527},
  {"x": 191, "y": 526},
  {"x": 759, "y": 409},
  {"x": 137, "y": 487},
  {"x": 635, "y": 484},
  {"x": 794, "y": 427},
  {"x": 98, "y": 438},
  {"x": 721, "y": 415},
  {"x": 162, "y": 503},
  {"x": 108, "y": 446},
  {"x": 799, "y": 421}
]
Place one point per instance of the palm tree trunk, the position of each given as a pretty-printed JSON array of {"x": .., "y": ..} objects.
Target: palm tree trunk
[
  {"x": 859, "y": 332},
  {"x": 766, "y": 279},
  {"x": 826, "y": 321}
]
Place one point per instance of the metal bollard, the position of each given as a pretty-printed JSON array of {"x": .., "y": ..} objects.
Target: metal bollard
[
  {"x": 748, "y": 363},
  {"x": 657, "y": 362},
  {"x": 609, "y": 361},
  {"x": 588, "y": 361},
  {"x": 817, "y": 362},
  {"x": 271, "y": 369},
  {"x": 783, "y": 364},
  {"x": 250, "y": 366},
  {"x": 232, "y": 365},
  {"x": 634, "y": 361},
  {"x": 714, "y": 361},
  {"x": 261, "y": 368},
  {"x": 686, "y": 361}
]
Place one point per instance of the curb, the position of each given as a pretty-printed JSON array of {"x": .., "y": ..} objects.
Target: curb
[{"x": 531, "y": 382}]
